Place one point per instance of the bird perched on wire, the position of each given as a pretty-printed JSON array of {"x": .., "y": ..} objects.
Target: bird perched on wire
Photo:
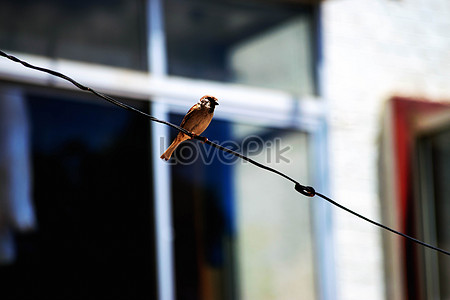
[{"x": 196, "y": 121}]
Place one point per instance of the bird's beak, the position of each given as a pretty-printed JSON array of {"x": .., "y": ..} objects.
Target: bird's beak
[{"x": 216, "y": 103}]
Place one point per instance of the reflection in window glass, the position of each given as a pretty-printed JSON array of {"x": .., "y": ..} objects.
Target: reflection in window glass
[
  {"x": 104, "y": 32},
  {"x": 241, "y": 232},
  {"x": 275, "y": 245},
  {"x": 256, "y": 44}
]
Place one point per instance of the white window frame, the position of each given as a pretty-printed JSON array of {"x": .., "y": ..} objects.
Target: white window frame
[
  {"x": 167, "y": 94},
  {"x": 238, "y": 103}
]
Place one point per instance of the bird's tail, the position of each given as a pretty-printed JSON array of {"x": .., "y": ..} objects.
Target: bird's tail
[{"x": 168, "y": 153}]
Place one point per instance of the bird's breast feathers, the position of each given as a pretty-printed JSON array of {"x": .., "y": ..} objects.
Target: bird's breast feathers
[{"x": 197, "y": 119}]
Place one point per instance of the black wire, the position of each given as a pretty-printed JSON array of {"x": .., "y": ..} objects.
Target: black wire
[
  {"x": 85, "y": 88},
  {"x": 381, "y": 225},
  {"x": 128, "y": 107},
  {"x": 304, "y": 190}
]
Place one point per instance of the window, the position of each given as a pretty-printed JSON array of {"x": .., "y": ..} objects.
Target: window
[
  {"x": 433, "y": 160},
  {"x": 98, "y": 31},
  {"x": 237, "y": 229},
  {"x": 92, "y": 199},
  {"x": 252, "y": 43},
  {"x": 202, "y": 227},
  {"x": 414, "y": 169}
]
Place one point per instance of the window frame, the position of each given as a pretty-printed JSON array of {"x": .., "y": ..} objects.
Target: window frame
[
  {"x": 411, "y": 269},
  {"x": 175, "y": 95}
]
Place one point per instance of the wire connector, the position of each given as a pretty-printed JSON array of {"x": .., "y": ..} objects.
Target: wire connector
[{"x": 308, "y": 191}]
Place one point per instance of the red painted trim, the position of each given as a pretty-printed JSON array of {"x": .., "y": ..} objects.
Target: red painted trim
[{"x": 405, "y": 112}]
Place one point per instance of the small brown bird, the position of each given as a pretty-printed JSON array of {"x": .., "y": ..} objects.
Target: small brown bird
[{"x": 196, "y": 121}]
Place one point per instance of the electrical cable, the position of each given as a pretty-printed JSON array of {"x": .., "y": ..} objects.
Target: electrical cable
[{"x": 302, "y": 189}]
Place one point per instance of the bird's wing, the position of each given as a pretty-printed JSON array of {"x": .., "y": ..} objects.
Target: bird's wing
[{"x": 189, "y": 114}]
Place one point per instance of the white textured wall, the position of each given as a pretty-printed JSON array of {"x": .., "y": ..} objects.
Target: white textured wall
[{"x": 373, "y": 49}]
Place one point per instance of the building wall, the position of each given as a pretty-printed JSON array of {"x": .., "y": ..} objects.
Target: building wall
[{"x": 373, "y": 50}]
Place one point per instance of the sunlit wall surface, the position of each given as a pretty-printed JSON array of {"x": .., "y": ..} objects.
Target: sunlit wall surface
[{"x": 373, "y": 52}]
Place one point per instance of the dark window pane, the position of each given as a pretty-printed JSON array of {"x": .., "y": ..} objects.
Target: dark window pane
[
  {"x": 441, "y": 177},
  {"x": 253, "y": 43},
  {"x": 98, "y": 31},
  {"x": 204, "y": 219},
  {"x": 93, "y": 200}
]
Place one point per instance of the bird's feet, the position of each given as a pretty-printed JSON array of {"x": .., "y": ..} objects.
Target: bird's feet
[{"x": 204, "y": 139}]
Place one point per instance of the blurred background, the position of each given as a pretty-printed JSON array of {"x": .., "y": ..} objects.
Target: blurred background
[{"x": 356, "y": 89}]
